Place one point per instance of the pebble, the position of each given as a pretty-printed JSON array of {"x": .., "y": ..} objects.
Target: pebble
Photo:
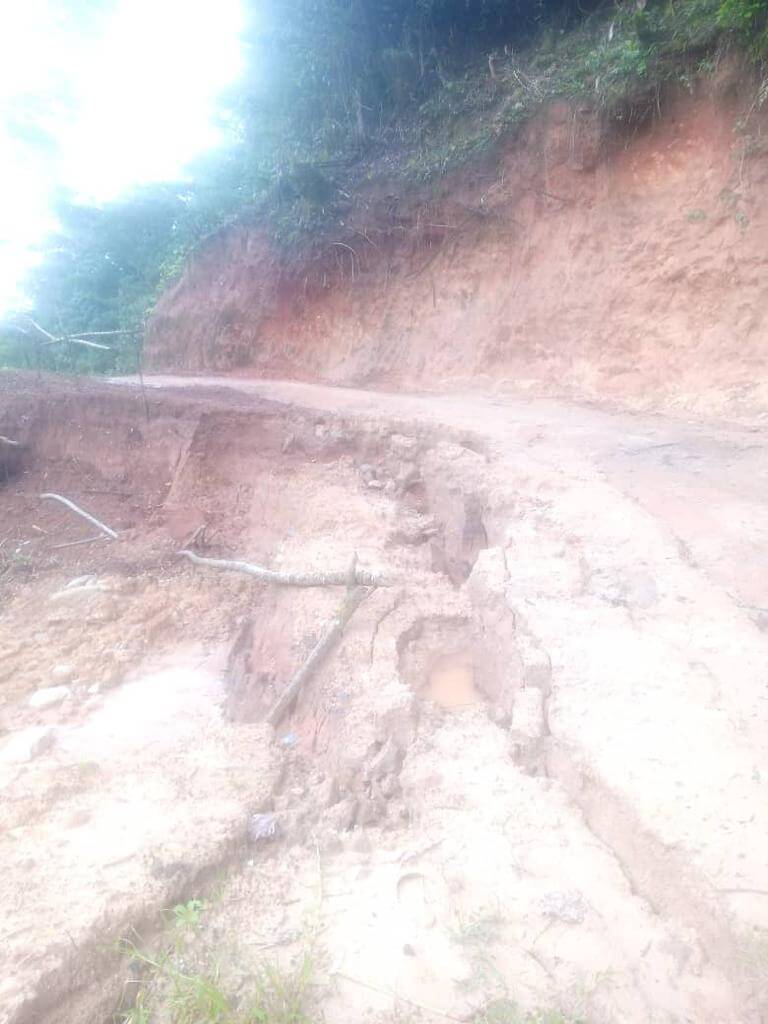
[{"x": 262, "y": 828}]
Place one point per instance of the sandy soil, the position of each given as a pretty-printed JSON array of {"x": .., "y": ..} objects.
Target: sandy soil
[{"x": 533, "y": 772}]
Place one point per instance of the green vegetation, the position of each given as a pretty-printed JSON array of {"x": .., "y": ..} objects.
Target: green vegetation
[
  {"x": 183, "y": 985},
  {"x": 339, "y": 91}
]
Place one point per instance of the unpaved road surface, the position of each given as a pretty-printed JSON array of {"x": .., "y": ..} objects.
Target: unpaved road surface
[{"x": 533, "y": 773}]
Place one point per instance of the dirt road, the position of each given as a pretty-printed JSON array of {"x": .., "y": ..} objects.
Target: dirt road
[{"x": 533, "y": 774}]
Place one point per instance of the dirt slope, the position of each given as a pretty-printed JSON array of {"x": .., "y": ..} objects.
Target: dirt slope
[
  {"x": 532, "y": 774},
  {"x": 628, "y": 266}
]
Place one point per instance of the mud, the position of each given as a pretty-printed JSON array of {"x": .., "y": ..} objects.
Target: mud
[{"x": 532, "y": 772}]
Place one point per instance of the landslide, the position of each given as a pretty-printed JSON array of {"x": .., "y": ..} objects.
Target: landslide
[{"x": 618, "y": 258}]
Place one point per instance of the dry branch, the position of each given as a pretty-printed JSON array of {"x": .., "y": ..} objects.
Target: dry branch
[
  {"x": 352, "y": 601},
  {"x": 76, "y": 508},
  {"x": 7, "y": 440},
  {"x": 290, "y": 579},
  {"x": 77, "y": 543}
]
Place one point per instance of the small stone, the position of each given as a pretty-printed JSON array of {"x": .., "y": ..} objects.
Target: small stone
[
  {"x": 262, "y": 828},
  {"x": 375, "y": 485},
  {"x": 64, "y": 673},
  {"x": 48, "y": 696},
  {"x": 569, "y": 906},
  {"x": 28, "y": 744}
]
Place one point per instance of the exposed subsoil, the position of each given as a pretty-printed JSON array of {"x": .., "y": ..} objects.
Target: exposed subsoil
[
  {"x": 534, "y": 768},
  {"x": 621, "y": 263}
]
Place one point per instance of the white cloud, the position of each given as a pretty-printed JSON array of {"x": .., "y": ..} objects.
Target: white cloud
[{"x": 126, "y": 92}]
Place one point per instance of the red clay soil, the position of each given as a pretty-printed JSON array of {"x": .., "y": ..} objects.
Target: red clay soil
[{"x": 625, "y": 268}]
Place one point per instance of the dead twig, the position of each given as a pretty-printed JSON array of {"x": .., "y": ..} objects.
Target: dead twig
[
  {"x": 77, "y": 543},
  {"x": 289, "y": 579},
  {"x": 329, "y": 638},
  {"x": 8, "y": 441},
  {"x": 86, "y": 515}
]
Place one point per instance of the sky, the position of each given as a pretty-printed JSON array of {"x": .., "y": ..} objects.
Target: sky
[{"x": 97, "y": 96}]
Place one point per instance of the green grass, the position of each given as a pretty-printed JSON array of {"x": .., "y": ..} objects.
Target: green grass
[
  {"x": 615, "y": 62},
  {"x": 177, "y": 989}
]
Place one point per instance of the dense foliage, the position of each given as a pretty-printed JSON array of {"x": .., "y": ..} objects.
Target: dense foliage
[{"x": 330, "y": 87}]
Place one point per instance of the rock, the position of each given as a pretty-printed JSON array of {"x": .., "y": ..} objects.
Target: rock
[
  {"x": 263, "y": 828},
  {"x": 48, "y": 696},
  {"x": 27, "y": 744},
  {"x": 64, "y": 673},
  {"x": 570, "y": 906},
  {"x": 375, "y": 485}
]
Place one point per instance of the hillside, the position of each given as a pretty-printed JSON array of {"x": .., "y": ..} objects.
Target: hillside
[{"x": 597, "y": 260}]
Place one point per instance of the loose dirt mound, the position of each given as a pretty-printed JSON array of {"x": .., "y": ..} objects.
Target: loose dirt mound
[
  {"x": 529, "y": 779},
  {"x": 627, "y": 267}
]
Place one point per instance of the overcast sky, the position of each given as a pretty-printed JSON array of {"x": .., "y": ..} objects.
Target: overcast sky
[{"x": 100, "y": 95}]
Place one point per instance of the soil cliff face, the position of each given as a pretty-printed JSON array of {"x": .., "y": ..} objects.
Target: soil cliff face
[{"x": 629, "y": 265}]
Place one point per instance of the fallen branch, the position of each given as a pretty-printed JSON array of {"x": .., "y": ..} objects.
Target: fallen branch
[
  {"x": 7, "y": 440},
  {"x": 79, "y": 341},
  {"x": 352, "y": 601},
  {"x": 76, "y": 508},
  {"x": 290, "y": 579}
]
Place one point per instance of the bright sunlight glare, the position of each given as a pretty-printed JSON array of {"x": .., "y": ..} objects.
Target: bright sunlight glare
[{"x": 96, "y": 97}]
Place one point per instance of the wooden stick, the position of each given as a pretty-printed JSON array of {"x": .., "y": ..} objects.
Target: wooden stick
[
  {"x": 7, "y": 440},
  {"x": 77, "y": 543},
  {"x": 352, "y": 601},
  {"x": 76, "y": 508},
  {"x": 290, "y": 579}
]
